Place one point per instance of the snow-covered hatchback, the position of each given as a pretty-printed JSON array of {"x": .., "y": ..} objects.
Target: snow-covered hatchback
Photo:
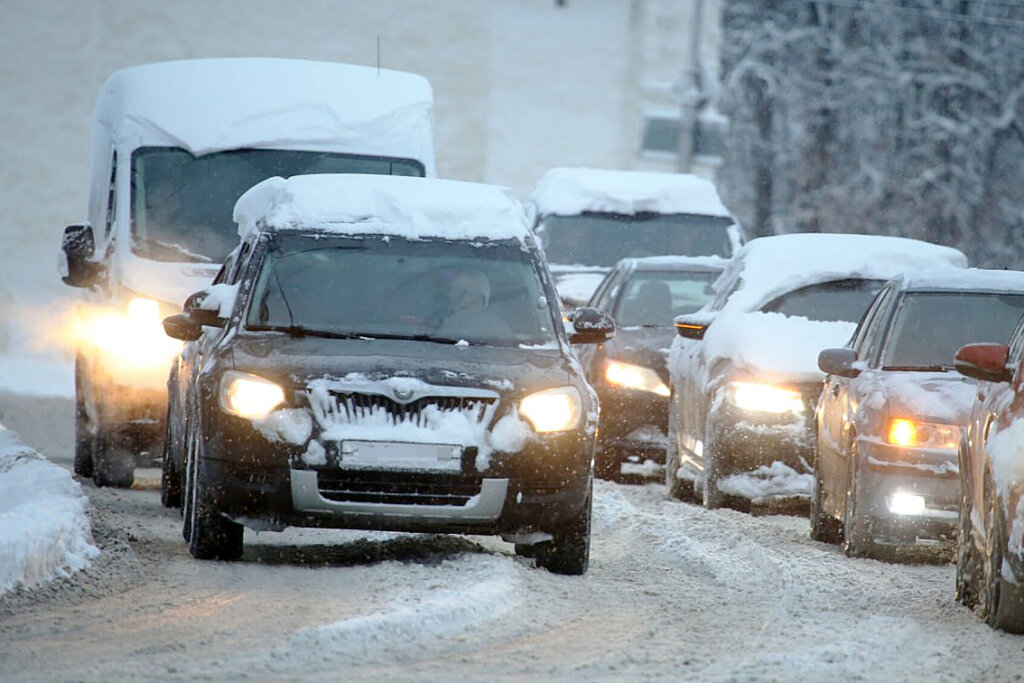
[{"x": 383, "y": 353}]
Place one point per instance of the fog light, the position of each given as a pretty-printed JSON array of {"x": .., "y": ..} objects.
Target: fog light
[{"x": 903, "y": 503}]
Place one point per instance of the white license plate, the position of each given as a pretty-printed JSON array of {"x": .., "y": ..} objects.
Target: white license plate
[{"x": 401, "y": 455}]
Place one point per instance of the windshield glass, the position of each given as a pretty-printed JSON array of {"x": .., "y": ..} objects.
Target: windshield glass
[
  {"x": 929, "y": 327},
  {"x": 182, "y": 205},
  {"x": 655, "y": 298},
  {"x": 840, "y": 300},
  {"x": 374, "y": 287},
  {"x": 602, "y": 239}
]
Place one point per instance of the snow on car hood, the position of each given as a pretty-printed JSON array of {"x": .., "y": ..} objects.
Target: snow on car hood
[
  {"x": 570, "y": 191},
  {"x": 944, "y": 397},
  {"x": 357, "y": 204},
  {"x": 770, "y": 266},
  {"x": 269, "y": 103},
  {"x": 773, "y": 344}
]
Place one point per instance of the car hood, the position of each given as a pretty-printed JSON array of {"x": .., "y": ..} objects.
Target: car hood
[
  {"x": 646, "y": 346},
  {"x": 782, "y": 347},
  {"x": 944, "y": 397},
  {"x": 301, "y": 360}
]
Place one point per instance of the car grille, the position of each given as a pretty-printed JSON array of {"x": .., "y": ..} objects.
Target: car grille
[
  {"x": 406, "y": 488},
  {"x": 345, "y": 408}
]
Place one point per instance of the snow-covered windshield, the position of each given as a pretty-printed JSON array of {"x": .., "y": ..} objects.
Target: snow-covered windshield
[
  {"x": 602, "y": 239},
  {"x": 839, "y": 300},
  {"x": 390, "y": 287},
  {"x": 181, "y": 204},
  {"x": 655, "y": 298},
  {"x": 929, "y": 327}
]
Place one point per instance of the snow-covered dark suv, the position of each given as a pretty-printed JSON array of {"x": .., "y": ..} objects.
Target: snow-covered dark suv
[{"x": 383, "y": 353}]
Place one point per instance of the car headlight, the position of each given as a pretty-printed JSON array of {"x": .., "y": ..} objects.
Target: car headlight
[
  {"x": 553, "y": 410},
  {"x": 249, "y": 396},
  {"x": 765, "y": 398},
  {"x": 634, "y": 377},
  {"x": 916, "y": 434}
]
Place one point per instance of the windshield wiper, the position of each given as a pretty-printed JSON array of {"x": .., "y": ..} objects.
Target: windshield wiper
[
  {"x": 182, "y": 251},
  {"x": 424, "y": 337},
  {"x": 919, "y": 368},
  {"x": 303, "y": 331}
]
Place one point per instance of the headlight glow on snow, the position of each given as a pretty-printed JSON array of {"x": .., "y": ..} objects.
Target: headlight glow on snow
[
  {"x": 133, "y": 337},
  {"x": 634, "y": 377},
  {"x": 765, "y": 398},
  {"x": 249, "y": 396},
  {"x": 552, "y": 410},
  {"x": 916, "y": 434},
  {"x": 903, "y": 503}
]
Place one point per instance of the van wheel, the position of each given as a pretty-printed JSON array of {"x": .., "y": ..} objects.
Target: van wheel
[
  {"x": 113, "y": 465},
  {"x": 209, "y": 535},
  {"x": 568, "y": 552}
]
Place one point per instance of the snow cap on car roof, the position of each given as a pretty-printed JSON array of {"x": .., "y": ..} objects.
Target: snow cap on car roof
[
  {"x": 570, "y": 191},
  {"x": 773, "y": 265},
  {"x": 355, "y": 204},
  {"x": 972, "y": 279}
]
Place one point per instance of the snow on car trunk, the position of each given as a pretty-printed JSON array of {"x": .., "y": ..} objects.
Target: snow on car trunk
[{"x": 44, "y": 530}]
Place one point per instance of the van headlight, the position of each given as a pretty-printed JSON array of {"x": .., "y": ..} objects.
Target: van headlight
[
  {"x": 765, "y": 398},
  {"x": 634, "y": 377},
  {"x": 249, "y": 396},
  {"x": 553, "y": 410}
]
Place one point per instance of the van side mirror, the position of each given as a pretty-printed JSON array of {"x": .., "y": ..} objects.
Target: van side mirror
[
  {"x": 838, "y": 362},
  {"x": 591, "y": 326},
  {"x": 198, "y": 314},
  {"x": 78, "y": 247},
  {"x": 986, "y": 362}
]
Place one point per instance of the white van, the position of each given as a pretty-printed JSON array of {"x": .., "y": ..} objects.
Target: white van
[
  {"x": 174, "y": 145},
  {"x": 588, "y": 219}
]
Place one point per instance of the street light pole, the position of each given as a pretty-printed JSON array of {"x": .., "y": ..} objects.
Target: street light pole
[{"x": 690, "y": 93}]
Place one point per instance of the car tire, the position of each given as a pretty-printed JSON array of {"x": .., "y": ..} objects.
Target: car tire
[
  {"x": 568, "y": 552},
  {"x": 857, "y": 540},
  {"x": 608, "y": 463},
  {"x": 83, "y": 466},
  {"x": 968, "y": 566},
  {"x": 711, "y": 496},
  {"x": 112, "y": 464},
  {"x": 526, "y": 549},
  {"x": 209, "y": 535},
  {"x": 824, "y": 528},
  {"x": 170, "y": 477},
  {"x": 1002, "y": 601}
]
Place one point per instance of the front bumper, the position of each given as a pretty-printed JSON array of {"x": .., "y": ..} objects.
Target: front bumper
[
  {"x": 744, "y": 442},
  {"x": 267, "y": 486},
  {"x": 888, "y": 473},
  {"x": 632, "y": 423}
]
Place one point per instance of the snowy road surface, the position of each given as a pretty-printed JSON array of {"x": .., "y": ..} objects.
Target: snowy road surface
[{"x": 673, "y": 591}]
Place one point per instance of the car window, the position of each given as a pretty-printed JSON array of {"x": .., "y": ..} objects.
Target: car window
[
  {"x": 489, "y": 293},
  {"x": 928, "y": 327},
  {"x": 655, "y": 298},
  {"x": 867, "y": 332},
  {"x": 1017, "y": 342},
  {"x": 839, "y": 300},
  {"x": 602, "y": 299}
]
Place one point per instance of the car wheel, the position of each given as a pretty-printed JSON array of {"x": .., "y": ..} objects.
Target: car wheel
[
  {"x": 824, "y": 528},
  {"x": 209, "y": 535},
  {"x": 968, "y": 568},
  {"x": 526, "y": 549},
  {"x": 1002, "y": 601},
  {"x": 857, "y": 540},
  {"x": 673, "y": 484},
  {"x": 608, "y": 463},
  {"x": 170, "y": 477},
  {"x": 112, "y": 463},
  {"x": 83, "y": 434},
  {"x": 568, "y": 552},
  {"x": 711, "y": 495}
]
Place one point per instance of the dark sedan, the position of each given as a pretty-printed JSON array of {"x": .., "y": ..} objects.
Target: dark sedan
[{"x": 630, "y": 372}]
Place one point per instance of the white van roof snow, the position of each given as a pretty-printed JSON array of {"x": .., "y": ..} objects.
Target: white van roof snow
[
  {"x": 269, "y": 103},
  {"x": 355, "y": 204},
  {"x": 571, "y": 191}
]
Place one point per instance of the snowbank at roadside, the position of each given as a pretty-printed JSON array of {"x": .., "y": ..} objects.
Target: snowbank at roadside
[{"x": 44, "y": 529}]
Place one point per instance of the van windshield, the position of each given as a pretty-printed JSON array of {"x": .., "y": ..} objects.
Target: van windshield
[
  {"x": 181, "y": 207},
  {"x": 602, "y": 239}
]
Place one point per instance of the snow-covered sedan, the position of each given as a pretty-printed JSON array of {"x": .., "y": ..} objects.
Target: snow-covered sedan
[
  {"x": 891, "y": 412},
  {"x": 990, "y": 552},
  {"x": 588, "y": 219},
  {"x": 384, "y": 353},
  {"x": 630, "y": 372},
  {"x": 743, "y": 371}
]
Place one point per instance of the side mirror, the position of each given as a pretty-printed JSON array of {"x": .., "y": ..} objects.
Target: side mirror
[
  {"x": 198, "y": 314},
  {"x": 591, "y": 326},
  {"x": 693, "y": 325},
  {"x": 838, "y": 362},
  {"x": 181, "y": 327},
  {"x": 986, "y": 362},
  {"x": 78, "y": 248}
]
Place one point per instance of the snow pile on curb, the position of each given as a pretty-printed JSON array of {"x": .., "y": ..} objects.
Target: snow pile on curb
[{"x": 44, "y": 529}]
